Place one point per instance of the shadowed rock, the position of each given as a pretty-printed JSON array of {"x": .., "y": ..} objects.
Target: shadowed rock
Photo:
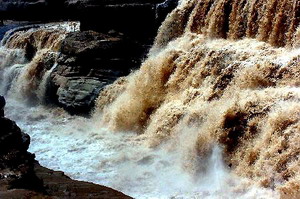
[
  {"x": 136, "y": 18},
  {"x": 22, "y": 177}
]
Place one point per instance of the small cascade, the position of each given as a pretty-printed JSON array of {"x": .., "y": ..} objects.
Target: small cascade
[{"x": 28, "y": 55}]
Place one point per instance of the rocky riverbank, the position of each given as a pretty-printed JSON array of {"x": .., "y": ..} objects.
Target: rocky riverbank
[{"x": 21, "y": 176}]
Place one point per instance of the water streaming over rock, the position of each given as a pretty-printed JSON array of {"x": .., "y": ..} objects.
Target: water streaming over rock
[
  {"x": 212, "y": 113},
  {"x": 27, "y": 55},
  {"x": 275, "y": 22},
  {"x": 216, "y": 67}
]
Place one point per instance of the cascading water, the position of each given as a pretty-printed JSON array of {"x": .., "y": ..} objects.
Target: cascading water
[
  {"x": 216, "y": 67},
  {"x": 212, "y": 113},
  {"x": 27, "y": 55}
]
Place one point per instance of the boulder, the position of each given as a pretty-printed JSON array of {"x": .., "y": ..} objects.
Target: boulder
[
  {"x": 88, "y": 62},
  {"x": 78, "y": 94},
  {"x": 16, "y": 164},
  {"x": 11, "y": 137},
  {"x": 90, "y": 44}
]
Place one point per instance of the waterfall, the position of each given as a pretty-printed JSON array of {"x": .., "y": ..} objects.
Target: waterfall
[
  {"x": 213, "y": 112},
  {"x": 28, "y": 56},
  {"x": 230, "y": 70}
]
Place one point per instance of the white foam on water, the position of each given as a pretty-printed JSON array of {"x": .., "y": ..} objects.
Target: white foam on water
[
  {"x": 85, "y": 150},
  {"x": 123, "y": 160}
]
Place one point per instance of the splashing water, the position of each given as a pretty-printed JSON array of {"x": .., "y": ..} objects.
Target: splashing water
[
  {"x": 212, "y": 113},
  {"x": 24, "y": 73},
  {"x": 85, "y": 151},
  {"x": 242, "y": 94},
  {"x": 125, "y": 161}
]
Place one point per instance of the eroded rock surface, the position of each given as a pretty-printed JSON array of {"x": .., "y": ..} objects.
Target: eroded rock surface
[{"x": 88, "y": 62}]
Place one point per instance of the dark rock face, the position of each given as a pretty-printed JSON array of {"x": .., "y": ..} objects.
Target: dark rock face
[
  {"x": 22, "y": 4},
  {"x": 12, "y": 137},
  {"x": 88, "y": 62},
  {"x": 31, "y": 9},
  {"x": 164, "y": 8},
  {"x": 136, "y": 18},
  {"x": 2, "y": 105},
  {"x": 16, "y": 164},
  {"x": 57, "y": 185},
  {"x": 22, "y": 177}
]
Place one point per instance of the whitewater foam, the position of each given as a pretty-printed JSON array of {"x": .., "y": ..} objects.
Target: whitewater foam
[
  {"x": 85, "y": 151},
  {"x": 203, "y": 109}
]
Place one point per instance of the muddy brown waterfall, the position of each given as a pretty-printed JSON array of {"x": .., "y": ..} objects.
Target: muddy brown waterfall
[
  {"x": 275, "y": 22},
  {"x": 229, "y": 70},
  {"x": 27, "y": 57},
  {"x": 213, "y": 112}
]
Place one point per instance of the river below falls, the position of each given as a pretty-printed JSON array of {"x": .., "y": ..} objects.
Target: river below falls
[{"x": 86, "y": 151}]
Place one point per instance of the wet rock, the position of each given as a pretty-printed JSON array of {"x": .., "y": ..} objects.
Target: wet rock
[
  {"x": 88, "y": 62},
  {"x": 23, "y": 177},
  {"x": 58, "y": 185},
  {"x": 11, "y": 137},
  {"x": 16, "y": 164},
  {"x": 162, "y": 9},
  {"x": 2, "y": 105},
  {"x": 78, "y": 95},
  {"x": 90, "y": 44}
]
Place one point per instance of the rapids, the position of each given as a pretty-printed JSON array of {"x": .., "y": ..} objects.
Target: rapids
[
  {"x": 213, "y": 112},
  {"x": 85, "y": 150}
]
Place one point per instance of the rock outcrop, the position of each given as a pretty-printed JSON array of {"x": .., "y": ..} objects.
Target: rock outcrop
[
  {"x": 22, "y": 177},
  {"x": 136, "y": 18},
  {"x": 88, "y": 62},
  {"x": 36, "y": 10},
  {"x": 16, "y": 164}
]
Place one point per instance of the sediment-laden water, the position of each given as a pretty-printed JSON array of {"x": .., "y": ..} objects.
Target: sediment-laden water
[{"x": 213, "y": 112}]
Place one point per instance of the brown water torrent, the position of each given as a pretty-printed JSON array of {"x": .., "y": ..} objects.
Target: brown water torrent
[
  {"x": 221, "y": 72},
  {"x": 275, "y": 22},
  {"x": 28, "y": 56},
  {"x": 216, "y": 68}
]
